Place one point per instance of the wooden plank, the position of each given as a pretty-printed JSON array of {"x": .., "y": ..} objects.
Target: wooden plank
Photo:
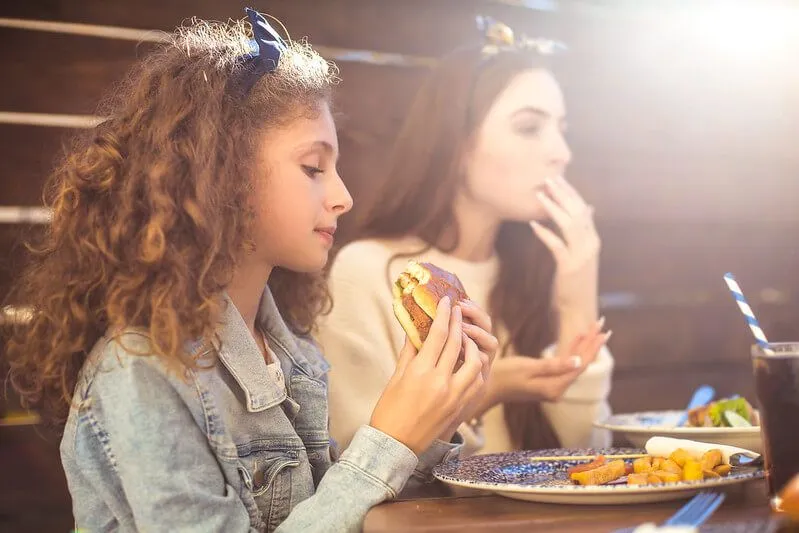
[
  {"x": 417, "y": 27},
  {"x": 28, "y": 153},
  {"x": 71, "y": 80}
]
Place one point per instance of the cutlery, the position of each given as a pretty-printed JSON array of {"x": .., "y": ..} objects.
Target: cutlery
[
  {"x": 702, "y": 396},
  {"x": 697, "y": 511}
]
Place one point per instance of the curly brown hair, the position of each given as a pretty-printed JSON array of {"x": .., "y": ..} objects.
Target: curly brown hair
[{"x": 151, "y": 210}]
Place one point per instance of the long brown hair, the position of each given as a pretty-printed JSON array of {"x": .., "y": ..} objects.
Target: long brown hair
[
  {"x": 152, "y": 208},
  {"x": 416, "y": 199}
]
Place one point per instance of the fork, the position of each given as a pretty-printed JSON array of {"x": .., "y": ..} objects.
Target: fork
[{"x": 697, "y": 511}]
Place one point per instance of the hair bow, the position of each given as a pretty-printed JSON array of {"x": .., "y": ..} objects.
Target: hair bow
[
  {"x": 266, "y": 45},
  {"x": 498, "y": 36}
]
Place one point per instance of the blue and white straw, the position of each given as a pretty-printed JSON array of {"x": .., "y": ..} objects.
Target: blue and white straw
[{"x": 749, "y": 315}]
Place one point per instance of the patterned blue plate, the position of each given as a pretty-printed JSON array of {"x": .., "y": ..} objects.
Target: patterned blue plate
[{"x": 529, "y": 475}]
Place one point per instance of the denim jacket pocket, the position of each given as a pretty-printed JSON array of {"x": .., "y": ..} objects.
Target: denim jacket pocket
[{"x": 266, "y": 472}]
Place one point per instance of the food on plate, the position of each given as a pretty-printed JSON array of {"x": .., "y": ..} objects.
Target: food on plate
[
  {"x": 681, "y": 465},
  {"x": 602, "y": 474},
  {"x": 417, "y": 291},
  {"x": 729, "y": 412}
]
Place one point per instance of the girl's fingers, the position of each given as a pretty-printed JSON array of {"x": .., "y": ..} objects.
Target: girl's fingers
[
  {"x": 452, "y": 348},
  {"x": 439, "y": 334}
]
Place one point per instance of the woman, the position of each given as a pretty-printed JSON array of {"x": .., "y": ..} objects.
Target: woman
[{"x": 475, "y": 187}]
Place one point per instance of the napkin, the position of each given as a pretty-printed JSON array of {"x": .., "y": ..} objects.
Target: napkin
[{"x": 664, "y": 446}]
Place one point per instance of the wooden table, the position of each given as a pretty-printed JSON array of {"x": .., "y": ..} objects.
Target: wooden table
[{"x": 441, "y": 510}]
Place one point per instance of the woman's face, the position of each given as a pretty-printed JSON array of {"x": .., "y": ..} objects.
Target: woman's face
[{"x": 519, "y": 145}]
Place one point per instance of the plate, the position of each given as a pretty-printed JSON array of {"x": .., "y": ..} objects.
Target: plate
[
  {"x": 528, "y": 475},
  {"x": 639, "y": 427}
]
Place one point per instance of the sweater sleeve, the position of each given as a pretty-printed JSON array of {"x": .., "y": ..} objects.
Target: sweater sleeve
[{"x": 584, "y": 402}]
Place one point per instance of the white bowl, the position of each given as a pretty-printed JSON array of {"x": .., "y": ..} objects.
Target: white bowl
[{"x": 639, "y": 427}]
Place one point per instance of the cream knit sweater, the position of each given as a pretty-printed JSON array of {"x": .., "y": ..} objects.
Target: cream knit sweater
[{"x": 361, "y": 339}]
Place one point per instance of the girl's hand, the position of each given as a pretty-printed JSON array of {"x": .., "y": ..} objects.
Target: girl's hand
[{"x": 426, "y": 395}]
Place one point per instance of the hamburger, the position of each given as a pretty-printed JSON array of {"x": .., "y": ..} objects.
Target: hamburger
[{"x": 417, "y": 291}]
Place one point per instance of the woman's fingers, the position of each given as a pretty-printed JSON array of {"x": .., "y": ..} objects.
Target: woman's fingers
[
  {"x": 555, "y": 244},
  {"x": 567, "y": 196}
]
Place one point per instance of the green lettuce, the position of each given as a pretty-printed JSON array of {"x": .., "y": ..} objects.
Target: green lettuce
[{"x": 738, "y": 405}]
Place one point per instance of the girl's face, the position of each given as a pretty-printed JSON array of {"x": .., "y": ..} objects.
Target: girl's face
[
  {"x": 519, "y": 144},
  {"x": 299, "y": 194}
]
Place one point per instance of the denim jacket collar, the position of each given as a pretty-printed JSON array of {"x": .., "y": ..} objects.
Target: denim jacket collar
[
  {"x": 243, "y": 358},
  {"x": 302, "y": 351}
]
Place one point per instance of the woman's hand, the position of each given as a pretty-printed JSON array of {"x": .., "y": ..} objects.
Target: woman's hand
[
  {"x": 526, "y": 379},
  {"x": 426, "y": 395},
  {"x": 576, "y": 253}
]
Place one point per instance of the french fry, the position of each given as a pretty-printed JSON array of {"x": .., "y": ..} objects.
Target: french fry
[
  {"x": 599, "y": 476},
  {"x": 642, "y": 465},
  {"x": 657, "y": 462},
  {"x": 722, "y": 470},
  {"x": 680, "y": 456},
  {"x": 668, "y": 477},
  {"x": 711, "y": 459},
  {"x": 692, "y": 471},
  {"x": 670, "y": 466},
  {"x": 638, "y": 479},
  {"x": 596, "y": 463}
]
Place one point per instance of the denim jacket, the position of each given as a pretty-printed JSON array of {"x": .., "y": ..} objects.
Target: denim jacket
[{"x": 223, "y": 449}]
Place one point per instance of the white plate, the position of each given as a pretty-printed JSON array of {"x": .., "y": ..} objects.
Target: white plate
[
  {"x": 639, "y": 427},
  {"x": 525, "y": 476}
]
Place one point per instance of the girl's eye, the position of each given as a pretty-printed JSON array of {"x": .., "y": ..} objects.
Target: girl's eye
[{"x": 311, "y": 171}]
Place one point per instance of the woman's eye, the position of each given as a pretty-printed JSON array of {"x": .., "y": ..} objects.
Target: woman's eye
[
  {"x": 529, "y": 129},
  {"x": 311, "y": 171}
]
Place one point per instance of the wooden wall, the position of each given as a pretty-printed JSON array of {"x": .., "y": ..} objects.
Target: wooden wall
[{"x": 685, "y": 147}]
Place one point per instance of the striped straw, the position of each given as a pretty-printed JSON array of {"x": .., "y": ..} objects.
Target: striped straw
[{"x": 749, "y": 315}]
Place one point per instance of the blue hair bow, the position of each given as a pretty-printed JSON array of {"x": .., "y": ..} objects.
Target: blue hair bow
[{"x": 266, "y": 45}]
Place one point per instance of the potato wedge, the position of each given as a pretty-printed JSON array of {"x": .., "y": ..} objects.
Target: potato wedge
[
  {"x": 711, "y": 459},
  {"x": 692, "y": 471},
  {"x": 668, "y": 477},
  {"x": 710, "y": 474},
  {"x": 637, "y": 479},
  {"x": 642, "y": 465},
  {"x": 652, "y": 479},
  {"x": 680, "y": 456},
  {"x": 670, "y": 466},
  {"x": 722, "y": 470}
]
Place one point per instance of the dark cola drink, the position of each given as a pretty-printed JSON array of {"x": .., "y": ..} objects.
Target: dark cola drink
[{"x": 777, "y": 383}]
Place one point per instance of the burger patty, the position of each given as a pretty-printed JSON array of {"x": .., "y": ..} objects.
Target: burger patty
[{"x": 420, "y": 319}]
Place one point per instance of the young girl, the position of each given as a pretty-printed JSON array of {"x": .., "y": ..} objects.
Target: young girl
[
  {"x": 475, "y": 187},
  {"x": 175, "y": 291}
]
